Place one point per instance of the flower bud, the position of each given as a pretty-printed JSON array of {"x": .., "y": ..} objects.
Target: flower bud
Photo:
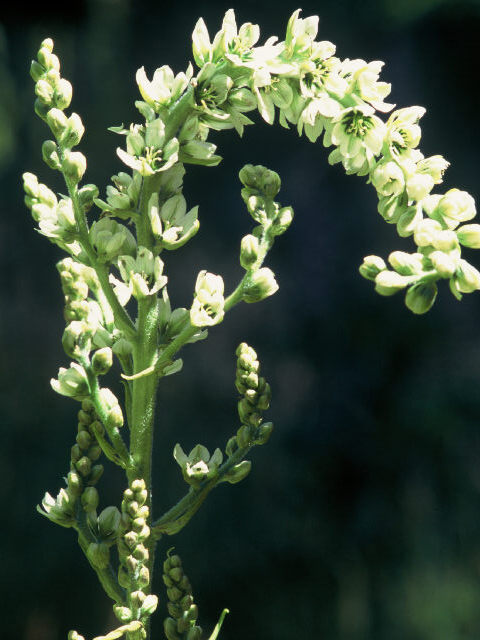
[
  {"x": 102, "y": 361},
  {"x": 63, "y": 94},
  {"x": 469, "y": 235},
  {"x": 456, "y": 206},
  {"x": 420, "y": 297},
  {"x": 58, "y": 122},
  {"x": 75, "y": 483},
  {"x": 282, "y": 221},
  {"x": 443, "y": 264},
  {"x": 261, "y": 285},
  {"x": 170, "y": 628},
  {"x": 108, "y": 524},
  {"x": 263, "y": 433},
  {"x": 115, "y": 417},
  {"x": 371, "y": 267},
  {"x": 389, "y": 282},
  {"x": 37, "y": 70},
  {"x": 149, "y": 605},
  {"x": 238, "y": 472},
  {"x": 248, "y": 251},
  {"x": 74, "y": 166},
  {"x": 406, "y": 264},
  {"x": 467, "y": 277},
  {"x": 419, "y": 186},
  {"x": 73, "y": 132},
  {"x": 50, "y": 154},
  {"x": 122, "y": 613},
  {"x": 90, "y": 499},
  {"x": 87, "y": 195},
  {"x": 44, "y": 92}
]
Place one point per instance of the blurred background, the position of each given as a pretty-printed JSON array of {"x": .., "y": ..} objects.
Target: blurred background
[{"x": 360, "y": 518}]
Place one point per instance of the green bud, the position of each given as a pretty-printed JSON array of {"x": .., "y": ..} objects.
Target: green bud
[
  {"x": 263, "y": 433},
  {"x": 420, "y": 297},
  {"x": 238, "y": 472},
  {"x": 115, "y": 417},
  {"x": 63, "y": 94},
  {"x": 469, "y": 235},
  {"x": 37, "y": 70},
  {"x": 371, "y": 267},
  {"x": 108, "y": 524},
  {"x": 58, "y": 122},
  {"x": 41, "y": 108},
  {"x": 389, "y": 282},
  {"x": 122, "y": 613},
  {"x": 102, "y": 361},
  {"x": 249, "y": 251},
  {"x": 444, "y": 264},
  {"x": 44, "y": 92},
  {"x": 99, "y": 555},
  {"x": 282, "y": 221},
  {"x": 90, "y": 499},
  {"x": 406, "y": 264},
  {"x": 87, "y": 195},
  {"x": 149, "y": 605},
  {"x": 261, "y": 285},
  {"x": 75, "y": 483},
  {"x": 84, "y": 439},
  {"x": 95, "y": 474},
  {"x": 84, "y": 465},
  {"x": 170, "y": 628},
  {"x": 74, "y": 166},
  {"x": 50, "y": 154},
  {"x": 467, "y": 277},
  {"x": 232, "y": 446},
  {"x": 74, "y": 131}
]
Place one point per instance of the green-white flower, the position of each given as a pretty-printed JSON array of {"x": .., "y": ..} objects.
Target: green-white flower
[
  {"x": 198, "y": 465},
  {"x": 207, "y": 307}
]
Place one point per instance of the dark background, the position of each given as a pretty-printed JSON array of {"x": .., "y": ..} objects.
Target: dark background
[{"x": 360, "y": 518}]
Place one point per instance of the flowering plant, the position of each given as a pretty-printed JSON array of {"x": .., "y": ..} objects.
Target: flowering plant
[{"x": 117, "y": 303}]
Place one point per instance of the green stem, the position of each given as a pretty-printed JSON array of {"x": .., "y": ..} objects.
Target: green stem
[{"x": 145, "y": 350}]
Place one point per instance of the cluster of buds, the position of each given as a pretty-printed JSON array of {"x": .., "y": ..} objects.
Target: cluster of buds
[
  {"x": 256, "y": 399},
  {"x": 439, "y": 239},
  {"x": 56, "y": 219},
  {"x": 181, "y": 625},
  {"x": 261, "y": 185},
  {"x": 54, "y": 94},
  {"x": 133, "y": 573},
  {"x": 83, "y": 475},
  {"x": 86, "y": 319}
]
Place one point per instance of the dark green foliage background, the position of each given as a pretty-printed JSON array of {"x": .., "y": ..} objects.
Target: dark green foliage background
[{"x": 360, "y": 518}]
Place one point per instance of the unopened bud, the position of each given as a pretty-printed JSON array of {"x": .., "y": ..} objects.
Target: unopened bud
[
  {"x": 262, "y": 285},
  {"x": 102, "y": 361},
  {"x": 50, "y": 154},
  {"x": 420, "y": 297},
  {"x": 371, "y": 267},
  {"x": 74, "y": 165},
  {"x": 90, "y": 499},
  {"x": 248, "y": 251},
  {"x": 58, "y": 122}
]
